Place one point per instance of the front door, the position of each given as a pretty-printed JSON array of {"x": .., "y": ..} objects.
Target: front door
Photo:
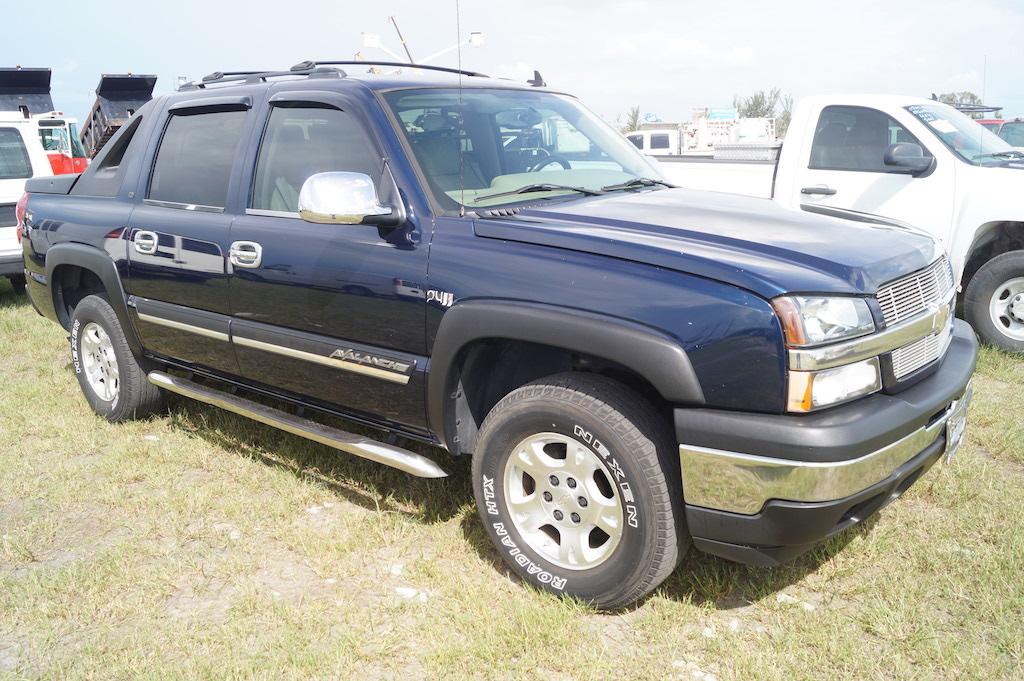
[
  {"x": 844, "y": 168},
  {"x": 329, "y": 312},
  {"x": 179, "y": 239}
]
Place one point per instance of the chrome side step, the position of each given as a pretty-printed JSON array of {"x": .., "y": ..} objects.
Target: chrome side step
[{"x": 389, "y": 455}]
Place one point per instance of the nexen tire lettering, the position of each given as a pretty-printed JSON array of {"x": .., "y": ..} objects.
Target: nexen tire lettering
[{"x": 620, "y": 476}]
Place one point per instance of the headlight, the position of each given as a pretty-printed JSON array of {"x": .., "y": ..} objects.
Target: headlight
[
  {"x": 810, "y": 390},
  {"x": 815, "y": 320}
]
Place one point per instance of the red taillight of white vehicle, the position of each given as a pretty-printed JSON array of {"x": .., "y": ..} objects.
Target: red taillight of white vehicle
[{"x": 19, "y": 213}]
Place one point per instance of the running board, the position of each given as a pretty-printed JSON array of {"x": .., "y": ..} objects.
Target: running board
[{"x": 389, "y": 455}]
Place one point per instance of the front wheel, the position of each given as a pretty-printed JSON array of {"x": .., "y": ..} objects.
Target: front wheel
[
  {"x": 577, "y": 484},
  {"x": 994, "y": 303}
]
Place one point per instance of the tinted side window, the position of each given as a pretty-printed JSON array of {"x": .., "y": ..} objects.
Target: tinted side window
[
  {"x": 303, "y": 141},
  {"x": 855, "y": 138},
  {"x": 14, "y": 160},
  {"x": 659, "y": 141},
  {"x": 193, "y": 163},
  {"x": 104, "y": 175},
  {"x": 637, "y": 140}
]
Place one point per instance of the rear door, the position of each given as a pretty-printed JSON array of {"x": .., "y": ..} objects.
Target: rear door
[
  {"x": 335, "y": 313},
  {"x": 179, "y": 233},
  {"x": 843, "y": 167}
]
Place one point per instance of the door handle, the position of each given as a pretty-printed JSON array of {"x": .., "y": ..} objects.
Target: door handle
[
  {"x": 146, "y": 242},
  {"x": 247, "y": 254},
  {"x": 822, "y": 189}
]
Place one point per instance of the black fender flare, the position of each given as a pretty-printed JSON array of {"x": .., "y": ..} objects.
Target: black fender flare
[
  {"x": 652, "y": 354},
  {"x": 99, "y": 263}
]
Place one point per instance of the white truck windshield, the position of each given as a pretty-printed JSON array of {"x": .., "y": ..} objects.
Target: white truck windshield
[
  {"x": 972, "y": 142},
  {"x": 489, "y": 147}
]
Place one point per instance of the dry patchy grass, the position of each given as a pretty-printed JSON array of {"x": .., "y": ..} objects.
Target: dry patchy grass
[{"x": 198, "y": 544}]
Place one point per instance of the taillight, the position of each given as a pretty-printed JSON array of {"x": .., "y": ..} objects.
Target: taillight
[{"x": 19, "y": 213}]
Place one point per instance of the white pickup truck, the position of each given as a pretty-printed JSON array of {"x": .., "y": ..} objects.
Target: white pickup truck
[
  {"x": 21, "y": 157},
  {"x": 913, "y": 160}
]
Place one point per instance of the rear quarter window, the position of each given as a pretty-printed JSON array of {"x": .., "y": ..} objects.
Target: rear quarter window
[
  {"x": 104, "y": 176},
  {"x": 14, "y": 160}
]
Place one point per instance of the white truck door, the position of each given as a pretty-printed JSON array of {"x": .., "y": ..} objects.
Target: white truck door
[{"x": 843, "y": 167}]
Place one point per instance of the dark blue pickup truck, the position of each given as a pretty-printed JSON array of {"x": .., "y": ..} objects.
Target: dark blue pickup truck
[{"x": 489, "y": 268}]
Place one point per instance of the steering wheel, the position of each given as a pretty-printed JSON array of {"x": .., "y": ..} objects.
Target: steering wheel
[{"x": 544, "y": 162}]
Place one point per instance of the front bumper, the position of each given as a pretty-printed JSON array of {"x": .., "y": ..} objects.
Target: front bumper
[{"x": 787, "y": 482}]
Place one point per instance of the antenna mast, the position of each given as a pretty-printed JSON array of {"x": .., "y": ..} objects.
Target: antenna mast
[
  {"x": 401, "y": 39},
  {"x": 462, "y": 162}
]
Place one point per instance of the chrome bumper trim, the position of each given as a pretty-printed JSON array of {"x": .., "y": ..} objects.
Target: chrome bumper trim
[
  {"x": 857, "y": 349},
  {"x": 742, "y": 483}
]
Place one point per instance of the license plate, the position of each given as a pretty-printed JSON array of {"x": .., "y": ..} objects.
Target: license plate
[{"x": 956, "y": 426}]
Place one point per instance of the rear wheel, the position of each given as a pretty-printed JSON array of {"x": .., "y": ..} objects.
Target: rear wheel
[
  {"x": 113, "y": 382},
  {"x": 994, "y": 303},
  {"x": 577, "y": 484}
]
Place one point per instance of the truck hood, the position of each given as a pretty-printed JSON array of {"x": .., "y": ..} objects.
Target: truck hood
[{"x": 748, "y": 242}]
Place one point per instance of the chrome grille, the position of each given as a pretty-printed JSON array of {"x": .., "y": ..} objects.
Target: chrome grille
[
  {"x": 910, "y": 296},
  {"x": 913, "y": 356}
]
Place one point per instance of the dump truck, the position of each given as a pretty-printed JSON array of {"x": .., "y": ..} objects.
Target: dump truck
[{"x": 118, "y": 96}]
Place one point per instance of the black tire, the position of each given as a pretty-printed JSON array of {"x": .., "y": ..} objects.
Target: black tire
[
  {"x": 639, "y": 447},
  {"x": 17, "y": 283},
  {"x": 135, "y": 397},
  {"x": 983, "y": 286}
]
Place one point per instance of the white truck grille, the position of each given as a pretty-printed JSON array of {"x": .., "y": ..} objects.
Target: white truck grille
[{"x": 910, "y": 296}]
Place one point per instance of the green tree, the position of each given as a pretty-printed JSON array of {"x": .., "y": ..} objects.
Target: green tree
[
  {"x": 784, "y": 117},
  {"x": 632, "y": 120},
  {"x": 761, "y": 104},
  {"x": 767, "y": 104},
  {"x": 963, "y": 97}
]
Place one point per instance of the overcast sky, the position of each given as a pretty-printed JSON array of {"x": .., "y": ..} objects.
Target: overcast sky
[{"x": 666, "y": 57}]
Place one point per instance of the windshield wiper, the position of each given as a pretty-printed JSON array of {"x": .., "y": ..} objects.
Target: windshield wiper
[
  {"x": 638, "y": 182},
  {"x": 541, "y": 187},
  {"x": 1012, "y": 154}
]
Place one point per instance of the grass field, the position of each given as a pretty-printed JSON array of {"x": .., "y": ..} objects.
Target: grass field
[{"x": 200, "y": 544}]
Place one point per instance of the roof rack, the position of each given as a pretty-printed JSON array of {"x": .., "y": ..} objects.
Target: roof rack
[
  {"x": 258, "y": 76},
  {"x": 396, "y": 64},
  {"x": 312, "y": 69}
]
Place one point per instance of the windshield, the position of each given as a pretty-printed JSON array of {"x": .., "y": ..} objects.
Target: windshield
[
  {"x": 76, "y": 145},
  {"x": 55, "y": 138},
  {"x": 482, "y": 147},
  {"x": 1013, "y": 133},
  {"x": 970, "y": 141}
]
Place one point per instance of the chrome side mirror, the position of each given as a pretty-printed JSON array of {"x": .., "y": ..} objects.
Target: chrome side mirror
[{"x": 342, "y": 198}]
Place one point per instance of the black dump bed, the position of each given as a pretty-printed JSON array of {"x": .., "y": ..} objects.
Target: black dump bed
[
  {"x": 26, "y": 90},
  {"x": 118, "y": 96}
]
